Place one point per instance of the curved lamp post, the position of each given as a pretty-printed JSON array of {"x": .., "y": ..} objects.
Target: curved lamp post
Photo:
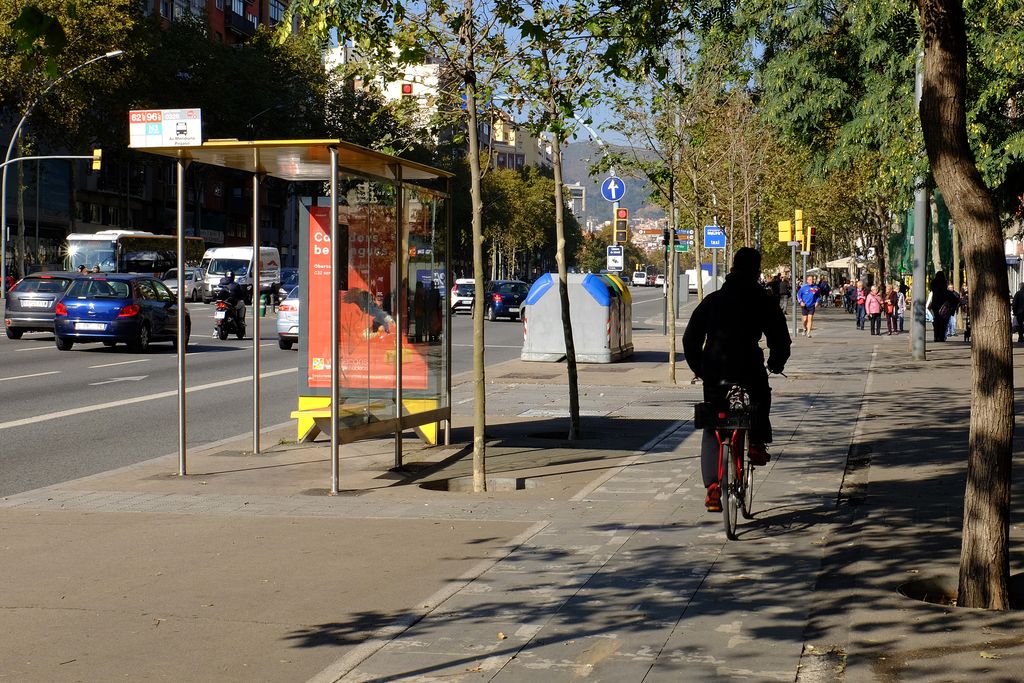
[{"x": 7, "y": 157}]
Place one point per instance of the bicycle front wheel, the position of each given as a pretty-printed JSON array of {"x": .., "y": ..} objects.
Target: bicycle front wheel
[
  {"x": 730, "y": 491},
  {"x": 748, "y": 487}
]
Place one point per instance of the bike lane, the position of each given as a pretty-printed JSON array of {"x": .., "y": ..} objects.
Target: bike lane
[{"x": 636, "y": 581}]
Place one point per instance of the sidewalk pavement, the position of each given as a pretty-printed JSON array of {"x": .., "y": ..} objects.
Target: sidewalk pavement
[{"x": 602, "y": 564}]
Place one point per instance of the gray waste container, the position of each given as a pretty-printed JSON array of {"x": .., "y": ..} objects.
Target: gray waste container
[{"x": 600, "y": 314}]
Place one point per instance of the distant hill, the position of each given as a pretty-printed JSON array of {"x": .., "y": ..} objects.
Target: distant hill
[{"x": 576, "y": 160}]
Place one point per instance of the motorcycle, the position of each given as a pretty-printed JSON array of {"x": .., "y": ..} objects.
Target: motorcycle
[{"x": 227, "y": 318}]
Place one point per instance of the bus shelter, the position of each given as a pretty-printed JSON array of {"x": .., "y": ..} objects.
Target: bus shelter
[{"x": 374, "y": 343}]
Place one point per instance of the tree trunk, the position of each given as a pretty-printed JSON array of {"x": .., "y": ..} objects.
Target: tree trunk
[
  {"x": 984, "y": 553},
  {"x": 475, "y": 174},
  {"x": 563, "y": 290}
]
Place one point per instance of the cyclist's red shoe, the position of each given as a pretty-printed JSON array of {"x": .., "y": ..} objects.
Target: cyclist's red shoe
[
  {"x": 758, "y": 454},
  {"x": 713, "y": 502}
]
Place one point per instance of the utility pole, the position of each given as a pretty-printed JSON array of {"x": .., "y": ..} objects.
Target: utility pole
[{"x": 917, "y": 326}]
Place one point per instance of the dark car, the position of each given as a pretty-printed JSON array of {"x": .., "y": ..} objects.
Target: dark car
[
  {"x": 503, "y": 299},
  {"x": 289, "y": 281},
  {"x": 31, "y": 302},
  {"x": 129, "y": 309}
]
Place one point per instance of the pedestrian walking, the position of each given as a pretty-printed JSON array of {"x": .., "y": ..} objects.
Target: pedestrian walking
[
  {"x": 873, "y": 307},
  {"x": 943, "y": 304},
  {"x": 808, "y": 295},
  {"x": 951, "y": 326},
  {"x": 890, "y": 302},
  {"x": 861, "y": 297},
  {"x": 1018, "y": 312},
  {"x": 901, "y": 308}
]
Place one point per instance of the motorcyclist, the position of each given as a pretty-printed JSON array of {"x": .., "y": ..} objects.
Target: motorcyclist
[
  {"x": 721, "y": 343},
  {"x": 234, "y": 294}
]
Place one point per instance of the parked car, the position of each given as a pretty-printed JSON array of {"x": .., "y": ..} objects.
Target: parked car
[
  {"x": 289, "y": 280},
  {"x": 193, "y": 282},
  {"x": 30, "y": 303},
  {"x": 288, "y": 320},
  {"x": 639, "y": 279},
  {"x": 651, "y": 279},
  {"x": 118, "y": 308},
  {"x": 504, "y": 298},
  {"x": 463, "y": 292},
  {"x": 659, "y": 280}
]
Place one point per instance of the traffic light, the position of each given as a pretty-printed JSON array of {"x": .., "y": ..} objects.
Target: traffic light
[
  {"x": 785, "y": 231},
  {"x": 809, "y": 238},
  {"x": 97, "y": 159},
  {"x": 664, "y": 237},
  {"x": 621, "y": 226},
  {"x": 798, "y": 235}
]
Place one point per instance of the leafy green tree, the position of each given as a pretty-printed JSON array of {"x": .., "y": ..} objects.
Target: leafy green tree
[{"x": 562, "y": 51}]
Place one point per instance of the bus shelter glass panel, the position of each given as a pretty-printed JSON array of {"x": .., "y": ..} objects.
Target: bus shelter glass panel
[
  {"x": 368, "y": 335},
  {"x": 424, "y": 368}
]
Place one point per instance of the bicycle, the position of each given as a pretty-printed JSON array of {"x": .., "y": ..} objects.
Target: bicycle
[{"x": 731, "y": 421}]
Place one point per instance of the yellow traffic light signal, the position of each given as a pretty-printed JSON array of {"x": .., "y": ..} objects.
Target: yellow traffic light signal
[
  {"x": 785, "y": 231},
  {"x": 97, "y": 159},
  {"x": 799, "y": 226},
  {"x": 809, "y": 238}
]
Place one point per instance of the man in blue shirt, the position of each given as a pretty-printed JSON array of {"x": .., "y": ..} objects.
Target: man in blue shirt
[{"x": 808, "y": 296}]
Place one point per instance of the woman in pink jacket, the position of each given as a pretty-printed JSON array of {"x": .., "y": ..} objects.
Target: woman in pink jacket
[{"x": 873, "y": 307}]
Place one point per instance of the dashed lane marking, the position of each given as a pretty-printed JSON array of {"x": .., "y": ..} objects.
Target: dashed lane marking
[
  {"x": 37, "y": 374},
  {"x": 138, "y": 399}
]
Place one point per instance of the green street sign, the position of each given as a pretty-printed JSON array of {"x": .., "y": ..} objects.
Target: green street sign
[{"x": 682, "y": 247}]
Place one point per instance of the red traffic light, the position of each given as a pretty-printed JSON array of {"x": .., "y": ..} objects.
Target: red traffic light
[
  {"x": 622, "y": 213},
  {"x": 407, "y": 88}
]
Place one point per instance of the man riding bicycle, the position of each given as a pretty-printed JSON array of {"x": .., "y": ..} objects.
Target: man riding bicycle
[{"x": 721, "y": 343}]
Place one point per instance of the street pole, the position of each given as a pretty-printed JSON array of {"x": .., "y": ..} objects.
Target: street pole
[
  {"x": 7, "y": 158},
  {"x": 803, "y": 274},
  {"x": 917, "y": 326},
  {"x": 792, "y": 282}
]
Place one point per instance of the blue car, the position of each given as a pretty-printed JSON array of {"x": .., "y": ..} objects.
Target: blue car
[
  {"x": 128, "y": 309},
  {"x": 504, "y": 299}
]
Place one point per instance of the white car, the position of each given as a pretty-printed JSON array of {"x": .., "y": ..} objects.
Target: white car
[
  {"x": 639, "y": 279},
  {"x": 463, "y": 292},
  {"x": 193, "y": 282},
  {"x": 288, "y": 320},
  {"x": 659, "y": 281}
]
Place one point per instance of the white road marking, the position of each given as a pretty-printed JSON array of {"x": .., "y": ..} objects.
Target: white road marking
[
  {"x": 489, "y": 346},
  {"x": 139, "y": 399},
  {"x": 38, "y": 374},
  {"x": 37, "y": 348},
  {"x": 136, "y": 378},
  {"x": 123, "y": 362}
]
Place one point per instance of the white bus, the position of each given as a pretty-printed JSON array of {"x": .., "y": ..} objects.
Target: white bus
[{"x": 129, "y": 251}]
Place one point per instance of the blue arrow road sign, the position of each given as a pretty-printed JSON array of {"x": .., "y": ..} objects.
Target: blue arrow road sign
[
  {"x": 612, "y": 189},
  {"x": 714, "y": 237}
]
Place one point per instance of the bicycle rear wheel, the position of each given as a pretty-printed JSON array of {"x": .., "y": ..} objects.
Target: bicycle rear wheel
[{"x": 730, "y": 491}]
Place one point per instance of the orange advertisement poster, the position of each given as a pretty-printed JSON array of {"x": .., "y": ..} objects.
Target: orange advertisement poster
[{"x": 367, "y": 334}]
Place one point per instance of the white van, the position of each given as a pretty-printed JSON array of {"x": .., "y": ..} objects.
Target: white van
[{"x": 218, "y": 261}]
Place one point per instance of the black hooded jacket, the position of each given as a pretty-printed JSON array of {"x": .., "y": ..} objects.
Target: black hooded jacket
[{"x": 721, "y": 339}]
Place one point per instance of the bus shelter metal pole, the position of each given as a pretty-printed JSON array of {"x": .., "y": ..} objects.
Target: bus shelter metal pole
[
  {"x": 335, "y": 277},
  {"x": 182, "y": 338},
  {"x": 402, "y": 248},
  {"x": 254, "y": 277},
  {"x": 448, "y": 314}
]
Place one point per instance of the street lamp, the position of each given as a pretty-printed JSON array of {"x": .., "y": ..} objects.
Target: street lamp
[{"x": 7, "y": 157}]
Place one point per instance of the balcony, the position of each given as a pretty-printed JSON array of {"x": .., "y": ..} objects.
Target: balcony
[{"x": 241, "y": 24}]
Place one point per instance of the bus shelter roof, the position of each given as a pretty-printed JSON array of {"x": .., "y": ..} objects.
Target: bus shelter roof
[{"x": 299, "y": 160}]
